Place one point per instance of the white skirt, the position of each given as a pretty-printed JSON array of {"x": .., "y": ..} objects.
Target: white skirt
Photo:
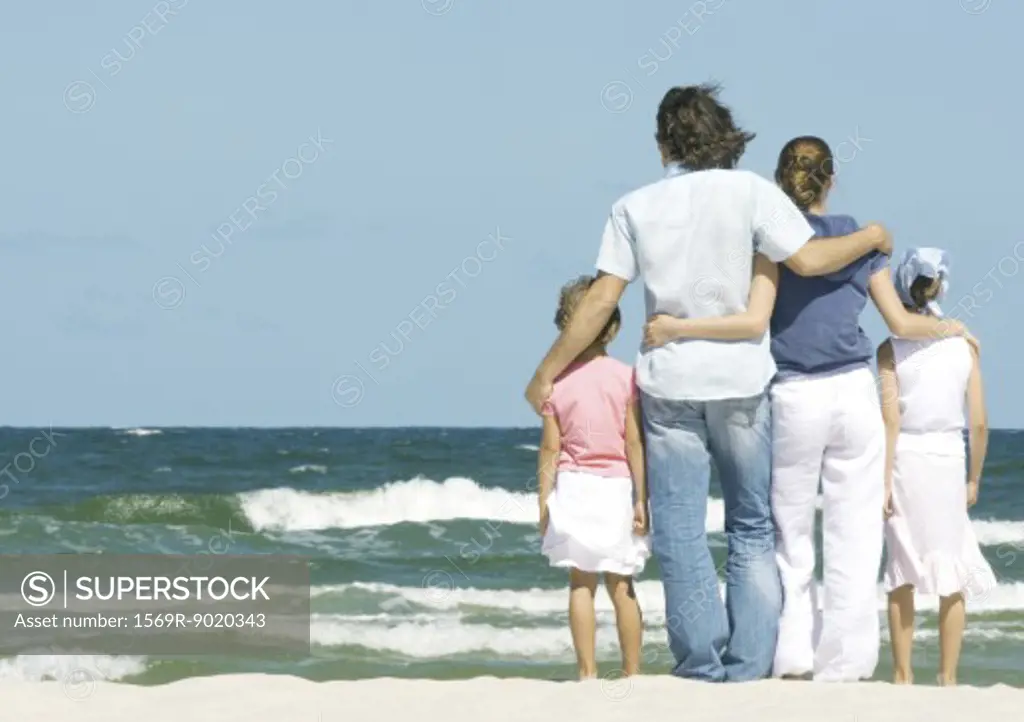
[
  {"x": 590, "y": 525},
  {"x": 930, "y": 542}
]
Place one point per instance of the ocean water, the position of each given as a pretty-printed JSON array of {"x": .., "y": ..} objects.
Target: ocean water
[{"x": 423, "y": 546}]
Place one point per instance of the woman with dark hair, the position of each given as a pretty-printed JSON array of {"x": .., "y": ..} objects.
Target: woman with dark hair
[
  {"x": 826, "y": 427},
  {"x": 691, "y": 236}
]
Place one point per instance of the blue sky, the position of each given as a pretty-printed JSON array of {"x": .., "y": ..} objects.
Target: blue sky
[{"x": 404, "y": 186}]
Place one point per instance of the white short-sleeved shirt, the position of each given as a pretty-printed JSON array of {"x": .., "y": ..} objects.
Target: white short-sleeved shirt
[{"x": 692, "y": 237}]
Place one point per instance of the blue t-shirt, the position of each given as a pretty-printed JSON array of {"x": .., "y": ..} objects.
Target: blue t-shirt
[{"x": 815, "y": 327}]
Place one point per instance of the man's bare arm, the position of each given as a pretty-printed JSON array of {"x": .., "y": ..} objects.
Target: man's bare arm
[
  {"x": 828, "y": 255},
  {"x": 585, "y": 326},
  {"x": 587, "y": 323}
]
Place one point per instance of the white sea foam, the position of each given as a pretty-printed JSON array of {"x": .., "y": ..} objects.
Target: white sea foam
[
  {"x": 141, "y": 432},
  {"x": 71, "y": 669},
  {"x": 417, "y": 500},
  {"x": 991, "y": 532},
  {"x": 436, "y": 638},
  {"x": 447, "y": 629},
  {"x": 448, "y": 637},
  {"x": 528, "y": 447},
  {"x": 303, "y": 468},
  {"x": 421, "y": 500},
  {"x": 441, "y": 593}
]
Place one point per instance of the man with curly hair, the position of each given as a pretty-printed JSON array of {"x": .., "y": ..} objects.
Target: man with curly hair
[{"x": 692, "y": 236}]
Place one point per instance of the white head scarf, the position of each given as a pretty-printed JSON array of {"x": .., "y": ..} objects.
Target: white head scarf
[{"x": 928, "y": 262}]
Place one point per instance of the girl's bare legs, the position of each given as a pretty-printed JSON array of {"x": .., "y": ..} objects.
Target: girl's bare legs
[
  {"x": 628, "y": 619},
  {"x": 582, "y": 624},
  {"x": 952, "y": 620},
  {"x": 901, "y": 630}
]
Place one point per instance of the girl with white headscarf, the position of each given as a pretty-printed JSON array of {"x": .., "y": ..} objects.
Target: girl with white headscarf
[{"x": 931, "y": 544}]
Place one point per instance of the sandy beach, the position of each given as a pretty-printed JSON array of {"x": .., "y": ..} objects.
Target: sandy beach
[{"x": 264, "y": 698}]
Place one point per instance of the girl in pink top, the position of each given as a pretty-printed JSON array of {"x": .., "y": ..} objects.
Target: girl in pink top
[{"x": 593, "y": 501}]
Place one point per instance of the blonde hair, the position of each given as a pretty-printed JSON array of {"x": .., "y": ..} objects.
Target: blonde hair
[
  {"x": 805, "y": 170},
  {"x": 569, "y": 300}
]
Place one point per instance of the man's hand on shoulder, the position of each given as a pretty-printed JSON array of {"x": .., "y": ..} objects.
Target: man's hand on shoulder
[{"x": 538, "y": 391}]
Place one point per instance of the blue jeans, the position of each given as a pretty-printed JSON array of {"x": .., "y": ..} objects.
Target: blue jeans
[{"x": 710, "y": 641}]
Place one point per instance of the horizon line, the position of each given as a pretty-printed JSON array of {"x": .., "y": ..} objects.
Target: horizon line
[{"x": 375, "y": 427}]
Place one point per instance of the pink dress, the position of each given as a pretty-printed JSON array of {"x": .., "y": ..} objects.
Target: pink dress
[{"x": 590, "y": 510}]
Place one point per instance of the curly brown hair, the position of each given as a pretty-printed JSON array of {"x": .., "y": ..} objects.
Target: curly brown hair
[
  {"x": 569, "y": 300},
  {"x": 694, "y": 129},
  {"x": 805, "y": 170}
]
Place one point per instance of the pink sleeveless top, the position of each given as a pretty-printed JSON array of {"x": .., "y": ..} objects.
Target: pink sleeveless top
[{"x": 589, "y": 402}]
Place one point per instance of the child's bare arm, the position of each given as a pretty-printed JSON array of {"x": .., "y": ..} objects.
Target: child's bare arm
[
  {"x": 890, "y": 401},
  {"x": 635, "y": 450},
  {"x": 547, "y": 463},
  {"x": 915, "y": 326},
  {"x": 750, "y": 324},
  {"x": 978, "y": 434}
]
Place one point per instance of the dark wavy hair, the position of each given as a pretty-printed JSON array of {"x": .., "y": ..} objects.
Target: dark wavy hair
[
  {"x": 694, "y": 129},
  {"x": 923, "y": 291},
  {"x": 805, "y": 170}
]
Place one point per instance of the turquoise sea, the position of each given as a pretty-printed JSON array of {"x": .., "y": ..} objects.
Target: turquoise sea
[{"x": 423, "y": 546}]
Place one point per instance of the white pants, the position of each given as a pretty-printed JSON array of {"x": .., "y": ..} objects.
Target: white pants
[{"x": 828, "y": 428}]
